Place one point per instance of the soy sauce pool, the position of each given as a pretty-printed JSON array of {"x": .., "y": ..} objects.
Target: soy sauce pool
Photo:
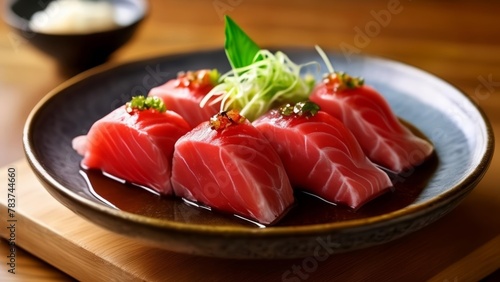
[{"x": 307, "y": 210}]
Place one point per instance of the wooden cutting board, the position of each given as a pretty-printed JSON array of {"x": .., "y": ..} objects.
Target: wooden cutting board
[{"x": 463, "y": 246}]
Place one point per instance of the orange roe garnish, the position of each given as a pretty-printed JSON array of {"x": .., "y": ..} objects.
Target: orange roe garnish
[
  {"x": 225, "y": 119},
  {"x": 197, "y": 79},
  {"x": 341, "y": 80}
]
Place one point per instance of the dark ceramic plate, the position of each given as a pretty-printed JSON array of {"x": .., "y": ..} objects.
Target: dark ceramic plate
[
  {"x": 76, "y": 51},
  {"x": 459, "y": 130}
]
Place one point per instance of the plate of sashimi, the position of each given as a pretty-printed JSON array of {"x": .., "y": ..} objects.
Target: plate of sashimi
[{"x": 246, "y": 152}]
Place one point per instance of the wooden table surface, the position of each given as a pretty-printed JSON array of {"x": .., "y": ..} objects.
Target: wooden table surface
[{"x": 456, "y": 40}]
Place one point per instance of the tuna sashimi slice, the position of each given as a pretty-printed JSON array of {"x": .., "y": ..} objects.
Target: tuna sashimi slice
[
  {"x": 184, "y": 94},
  {"x": 232, "y": 169},
  {"x": 384, "y": 139},
  {"x": 136, "y": 147},
  {"x": 322, "y": 156}
]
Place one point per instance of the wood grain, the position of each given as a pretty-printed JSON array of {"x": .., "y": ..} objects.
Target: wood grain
[
  {"x": 28, "y": 268},
  {"x": 90, "y": 253},
  {"x": 486, "y": 258},
  {"x": 456, "y": 40}
]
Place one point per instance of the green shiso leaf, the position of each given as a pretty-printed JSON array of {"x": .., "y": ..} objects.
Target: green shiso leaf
[
  {"x": 240, "y": 48},
  {"x": 259, "y": 80}
]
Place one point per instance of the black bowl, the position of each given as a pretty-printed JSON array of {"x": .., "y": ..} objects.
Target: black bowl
[{"x": 75, "y": 51}]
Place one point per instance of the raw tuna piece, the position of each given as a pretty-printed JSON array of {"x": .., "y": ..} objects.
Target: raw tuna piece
[
  {"x": 230, "y": 166},
  {"x": 322, "y": 156},
  {"x": 134, "y": 145},
  {"x": 367, "y": 114},
  {"x": 184, "y": 94}
]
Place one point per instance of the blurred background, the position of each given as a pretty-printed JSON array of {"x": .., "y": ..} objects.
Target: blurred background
[{"x": 457, "y": 40}]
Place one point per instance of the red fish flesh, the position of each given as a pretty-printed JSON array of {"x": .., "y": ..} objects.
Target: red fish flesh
[
  {"x": 384, "y": 139},
  {"x": 135, "y": 146},
  {"x": 230, "y": 166},
  {"x": 184, "y": 94},
  {"x": 322, "y": 156}
]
